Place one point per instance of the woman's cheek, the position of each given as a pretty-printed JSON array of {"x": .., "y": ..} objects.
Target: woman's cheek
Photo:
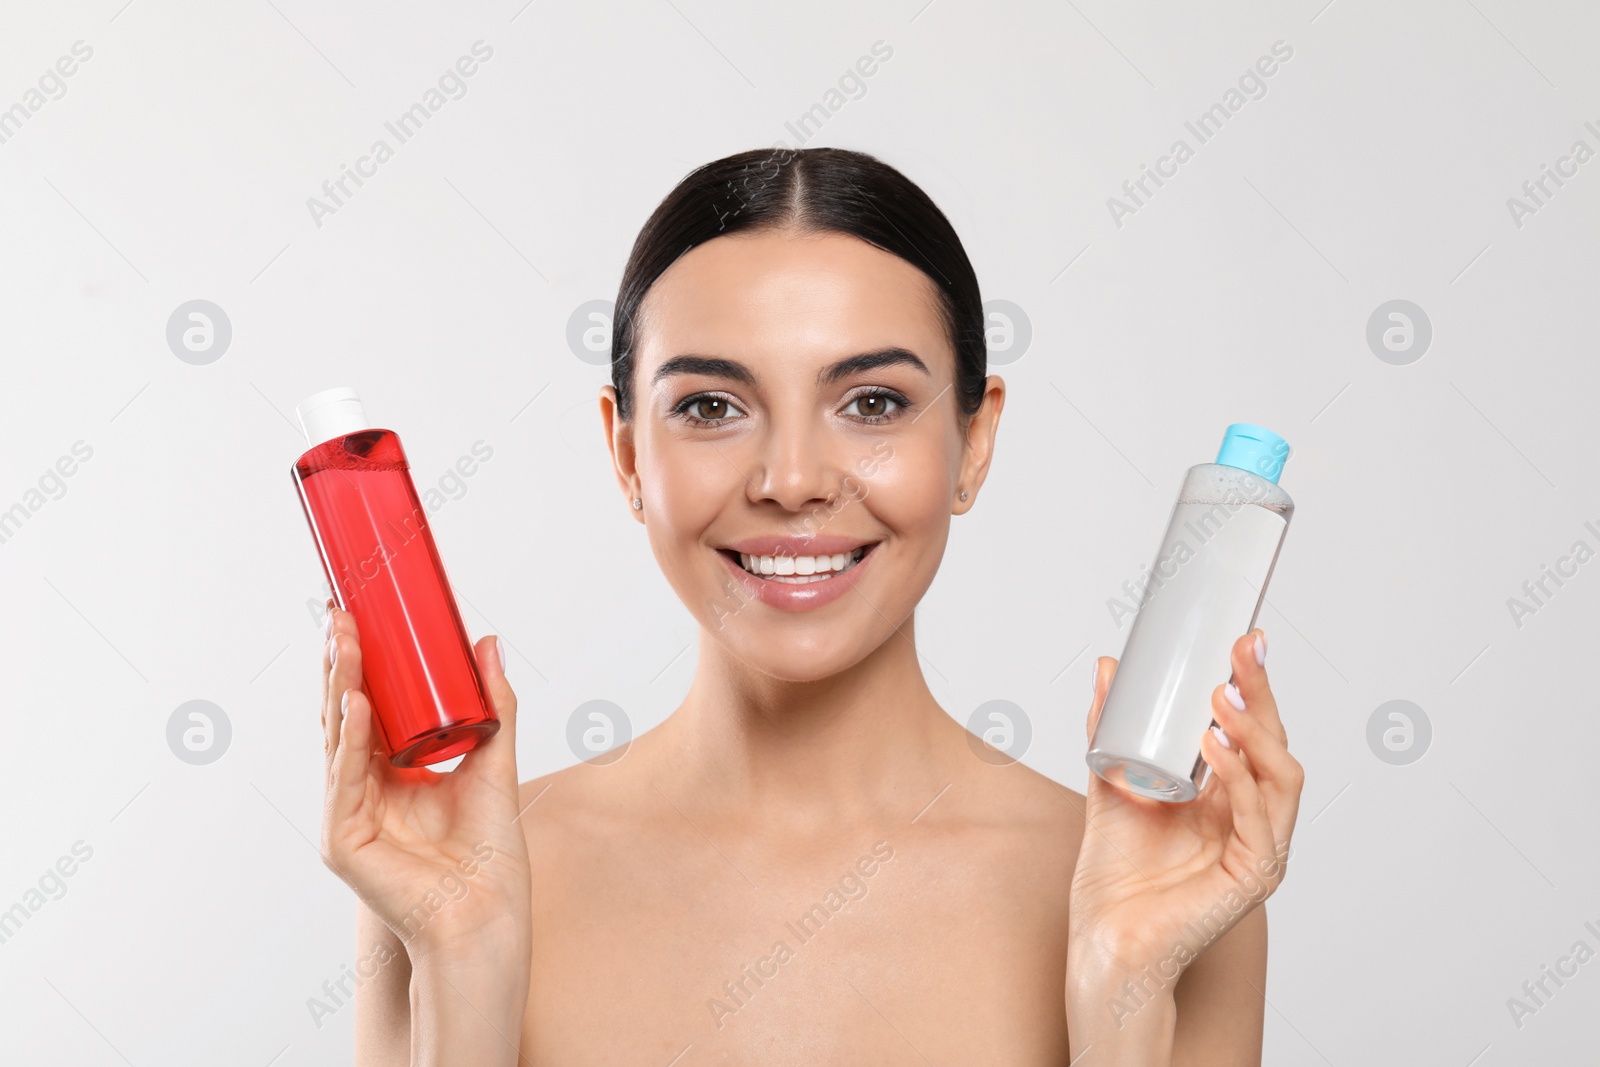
[
  {"x": 912, "y": 488},
  {"x": 687, "y": 487}
]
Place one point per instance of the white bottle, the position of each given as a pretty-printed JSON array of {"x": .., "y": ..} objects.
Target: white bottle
[{"x": 1203, "y": 594}]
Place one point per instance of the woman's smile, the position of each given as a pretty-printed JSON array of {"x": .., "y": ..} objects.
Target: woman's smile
[{"x": 797, "y": 573}]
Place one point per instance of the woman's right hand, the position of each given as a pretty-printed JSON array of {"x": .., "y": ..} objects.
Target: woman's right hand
[{"x": 440, "y": 858}]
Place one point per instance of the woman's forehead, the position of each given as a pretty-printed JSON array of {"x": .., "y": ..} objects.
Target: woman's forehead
[{"x": 777, "y": 294}]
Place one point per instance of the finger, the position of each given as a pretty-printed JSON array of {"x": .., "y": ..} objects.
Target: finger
[
  {"x": 347, "y": 784},
  {"x": 1267, "y": 756},
  {"x": 1278, "y": 775},
  {"x": 343, "y": 656},
  {"x": 330, "y": 713},
  {"x": 327, "y": 664},
  {"x": 1104, "y": 668},
  {"x": 1250, "y": 821},
  {"x": 498, "y": 755},
  {"x": 1250, "y": 675}
]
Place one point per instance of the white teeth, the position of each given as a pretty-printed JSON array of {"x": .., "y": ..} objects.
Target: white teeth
[{"x": 800, "y": 569}]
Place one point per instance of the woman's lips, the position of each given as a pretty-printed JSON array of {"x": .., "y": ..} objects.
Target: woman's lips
[{"x": 798, "y": 591}]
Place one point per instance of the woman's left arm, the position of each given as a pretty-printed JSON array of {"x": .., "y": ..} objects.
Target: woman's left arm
[
  {"x": 1212, "y": 1017},
  {"x": 1166, "y": 962},
  {"x": 1219, "y": 999}
]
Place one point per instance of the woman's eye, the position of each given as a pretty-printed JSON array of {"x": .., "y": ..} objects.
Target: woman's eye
[
  {"x": 707, "y": 409},
  {"x": 874, "y": 406}
]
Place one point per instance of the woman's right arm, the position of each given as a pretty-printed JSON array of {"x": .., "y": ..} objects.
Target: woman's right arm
[
  {"x": 440, "y": 865},
  {"x": 383, "y": 999},
  {"x": 387, "y": 1002}
]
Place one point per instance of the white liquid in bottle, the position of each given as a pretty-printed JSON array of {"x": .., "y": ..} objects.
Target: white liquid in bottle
[{"x": 1204, "y": 592}]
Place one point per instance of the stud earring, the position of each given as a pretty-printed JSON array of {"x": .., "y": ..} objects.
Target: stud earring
[
  {"x": 963, "y": 494},
  {"x": 638, "y": 505}
]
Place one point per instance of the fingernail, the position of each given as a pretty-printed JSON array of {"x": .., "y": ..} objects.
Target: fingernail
[
  {"x": 500, "y": 649},
  {"x": 344, "y": 703},
  {"x": 1094, "y": 680},
  {"x": 1222, "y": 736},
  {"x": 333, "y": 652},
  {"x": 1233, "y": 696},
  {"x": 1261, "y": 652}
]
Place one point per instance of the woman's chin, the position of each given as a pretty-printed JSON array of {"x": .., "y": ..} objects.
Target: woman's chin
[{"x": 783, "y": 657}]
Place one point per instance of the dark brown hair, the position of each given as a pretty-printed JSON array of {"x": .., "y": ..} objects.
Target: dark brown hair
[{"x": 812, "y": 190}]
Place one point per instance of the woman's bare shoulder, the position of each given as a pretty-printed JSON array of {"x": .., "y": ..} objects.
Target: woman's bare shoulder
[
  {"x": 1002, "y": 812},
  {"x": 1050, "y": 800},
  {"x": 1006, "y": 791},
  {"x": 1043, "y": 808},
  {"x": 1007, "y": 834},
  {"x": 588, "y": 808},
  {"x": 584, "y": 796}
]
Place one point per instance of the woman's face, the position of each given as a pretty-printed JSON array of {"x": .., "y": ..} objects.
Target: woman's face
[{"x": 796, "y": 416}]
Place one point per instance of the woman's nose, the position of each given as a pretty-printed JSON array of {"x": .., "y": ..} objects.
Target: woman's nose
[{"x": 798, "y": 468}]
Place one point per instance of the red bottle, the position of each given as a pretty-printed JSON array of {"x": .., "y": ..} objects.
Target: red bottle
[{"x": 372, "y": 533}]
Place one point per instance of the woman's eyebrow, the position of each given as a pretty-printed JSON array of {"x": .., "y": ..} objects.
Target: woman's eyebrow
[
  {"x": 883, "y": 357},
  {"x": 718, "y": 367}
]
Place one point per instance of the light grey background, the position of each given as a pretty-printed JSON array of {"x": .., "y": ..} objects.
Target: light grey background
[{"x": 176, "y": 565}]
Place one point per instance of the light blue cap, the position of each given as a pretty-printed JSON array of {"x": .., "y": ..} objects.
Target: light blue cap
[{"x": 1255, "y": 449}]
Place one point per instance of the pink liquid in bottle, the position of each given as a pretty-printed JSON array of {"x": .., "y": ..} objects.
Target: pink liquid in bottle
[{"x": 377, "y": 551}]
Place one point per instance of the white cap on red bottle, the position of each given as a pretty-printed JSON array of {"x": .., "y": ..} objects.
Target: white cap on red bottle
[{"x": 331, "y": 413}]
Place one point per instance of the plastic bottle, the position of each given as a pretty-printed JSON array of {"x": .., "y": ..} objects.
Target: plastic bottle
[
  {"x": 417, "y": 664},
  {"x": 1203, "y": 594}
]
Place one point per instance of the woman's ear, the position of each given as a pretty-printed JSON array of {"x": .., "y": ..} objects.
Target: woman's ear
[
  {"x": 619, "y": 441},
  {"x": 978, "y": 445}
]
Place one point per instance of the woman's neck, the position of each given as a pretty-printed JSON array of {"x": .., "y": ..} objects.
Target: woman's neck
[{"x": 851, "y": 747}]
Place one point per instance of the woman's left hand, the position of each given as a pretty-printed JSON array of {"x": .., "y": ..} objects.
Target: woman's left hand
[{"x": 1157, "y": 882}]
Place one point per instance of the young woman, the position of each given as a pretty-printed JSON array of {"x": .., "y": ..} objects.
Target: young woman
[{"x": 809, "y": 861}]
